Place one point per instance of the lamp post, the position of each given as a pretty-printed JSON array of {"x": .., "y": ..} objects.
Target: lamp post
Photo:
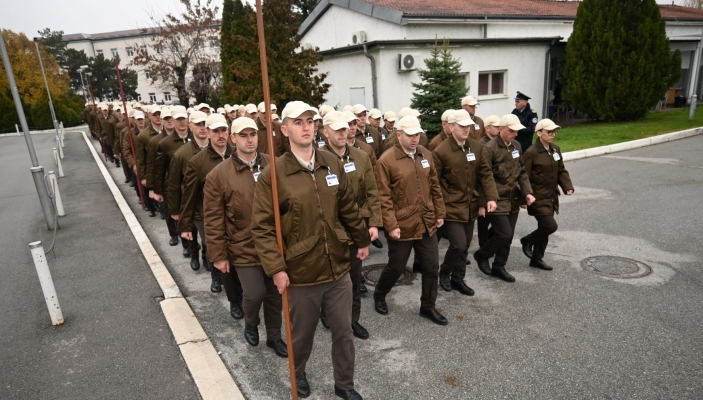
[{"x": 80, "y": 73}]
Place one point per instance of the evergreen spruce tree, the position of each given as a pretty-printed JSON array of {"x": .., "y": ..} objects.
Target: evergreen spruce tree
[
  {"x": 226, "y": 47},
  {"x": 441, "y": 88},
  {"x": 618, "y": 62}
]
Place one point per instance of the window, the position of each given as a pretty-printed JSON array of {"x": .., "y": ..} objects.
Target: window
[
  {"x": 115, "y": 54},
  {"x": 139, "y": 97},
  {"x": 130, "y": 52},
  {"x": 99, "y": 52},
  {"x": 147, "y": 74},
  {"x": 167, "y": 96},
  {"x": 159, "y": 50},
  {"x": 142, "y": 49},
  {"x": 213, "y": 43},
  {"x": 491, "y": 83},
  {"x": 152, "y": 97},
  {"x": 201, "y": 45}
]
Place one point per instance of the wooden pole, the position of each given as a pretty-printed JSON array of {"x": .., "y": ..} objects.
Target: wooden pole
[
  {"x": 129, "y": 133},
  {"x": 274, "y": 189}
]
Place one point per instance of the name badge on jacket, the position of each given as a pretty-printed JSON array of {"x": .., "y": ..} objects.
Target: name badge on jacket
[
  {"x": 470, "y": 157},
  {"x": 332, "y": 180},
  {"x": 369, "y": 139},
  {"x": 556, "y": 156},
  {"x": 477, "y": 127},
  {"x": 383, "y": 137},
  {"x": 425, "y": 163},
  {"x": 256, "y": 176},
  {"x": 516, "y": 154},
  {"x": 321, "y": 144},
  {"x": 349, "y": 167}
]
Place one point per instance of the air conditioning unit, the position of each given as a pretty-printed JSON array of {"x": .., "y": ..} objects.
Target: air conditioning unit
[
  {"x": 408, "y": 61},
  {"x": 359, "y": 37},
  {"x": 307, "y": 46}
]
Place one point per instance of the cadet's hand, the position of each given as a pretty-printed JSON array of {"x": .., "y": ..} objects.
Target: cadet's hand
[
  {"x": 395, "y": 233},
  {"x": 280, "y": 279},
  {"x": 569, "y": 192},
  {"x": 134, "y": 168},
  {"x": 440, "y": 222},
  {"x": 187, "y": 235},
  {"x": 175, "y": 217},
  {"x": 373, "y": 232},
  {"x": 143, "y": 182},
  {"x": 222, "y": 265},
  {"x": 151, "y": 195},
  {"x": 530, "y": 199},
  {"x": 362, "y": 253},
  {"x": 158, "y": 198},
  {"x": 491, "y": 205},
  {"x": 117, "y": 156},
  {"x": 481, "y": 212}
]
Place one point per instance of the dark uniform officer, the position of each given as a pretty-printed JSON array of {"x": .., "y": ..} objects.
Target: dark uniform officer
[
  {"x": 528, "y": 118},
  {"x": 545, "y": 167}
]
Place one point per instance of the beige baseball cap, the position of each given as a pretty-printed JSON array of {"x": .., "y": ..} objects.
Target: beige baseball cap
[
  {"x": 359, "y": 108},
  {"x": 295, "y": 109},
  {"x": 154, "y": 109},
  {"x": 469, "y": 101},
  {"x": 131, "y": 112},
  {"x": 201, "y": 106},
  {"x": 405, "y": 111},
  {"x": 349, "y": 116},
  {"x": 166, "y": 113},
  {"x": 251, "y": 109},
  {"x": 375, "y": 113},
  {"x": 324, "y": 109},
  {"x": 348, "y": 108},
  {"x": 512, "y": 122},
  {"x": 242, "y": 123},
  {"x": 547, "y": 124},
  {"x": 460, "y": 117},
  {"x": 262, "y": 107},
  {"x": 336, "y": 120},
  {"x": 389, "y": 116},
  {"x": 221, "y": 110},
  {"x": 317, "y": 116},
  {"x": 138, "y": 115},
  {"x": 197, "y": 117},
  {"x": 179, "y": 112},
  {"x": 410, "y": 125},
  {"x": 445, "y": 115},
  {"x": 215, "y": 121},
  {"x": 492, "y": 120}
]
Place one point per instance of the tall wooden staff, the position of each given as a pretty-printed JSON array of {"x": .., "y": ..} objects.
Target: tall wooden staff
[
  {"x": 274, "y": 189},
  {"x": 129, "y": 133}
]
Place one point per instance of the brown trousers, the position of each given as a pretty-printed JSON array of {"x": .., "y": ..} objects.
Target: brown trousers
[
  {"x": 546, "y": 225},
  {"x": 230, "y": 281},
  {"x": 427, "y": 251},
  {"x": 355, "y": 275},
  {"x": 498, "y": 244},
  {"x": 305, "y": 303},
  {"x": 459, "y": 236},
  {"x": 259, "y": 289}
]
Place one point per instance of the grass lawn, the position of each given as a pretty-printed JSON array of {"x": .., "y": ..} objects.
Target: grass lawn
[{"x": 594, "y": 134}]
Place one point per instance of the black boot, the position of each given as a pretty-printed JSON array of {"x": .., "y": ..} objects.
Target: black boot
[
  {"x": 194, "y": 262},
  {"x": 206, "y": 263},
  {"x": 186, "y": 248},
  {"x": 173, "y": 241},
  {"x": 117, "y": 163},
  {"x": 216, "y": 285},
  {"x": 501, "y": 273},
  {"x": 526, "y": 248}
]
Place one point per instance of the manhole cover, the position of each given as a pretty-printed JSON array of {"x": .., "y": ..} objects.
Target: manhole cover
[
  {"x": 616, "y": 267},
  {"x": 372, "y": 272}
]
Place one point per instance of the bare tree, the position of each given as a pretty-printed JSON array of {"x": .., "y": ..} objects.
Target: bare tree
[
  {"x": 693, "y": 3},
  {"x": 177, "y": 44}
]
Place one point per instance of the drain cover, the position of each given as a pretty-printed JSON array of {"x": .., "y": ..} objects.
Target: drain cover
[
  {"x": 616, "y": 267},
  {"x": 372, "y": 272}
]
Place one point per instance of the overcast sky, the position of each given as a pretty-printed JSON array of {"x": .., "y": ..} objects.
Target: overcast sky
[{"x": 93, "y": 16}]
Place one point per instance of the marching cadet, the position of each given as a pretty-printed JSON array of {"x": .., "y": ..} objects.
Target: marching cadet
[
  {"x": 229, "y": 194},
  {"x": 357, "y": 165},
  {"x": 279, "y": 141},
  {"x": 107, "y": 129},
  {"x": 446, "y": 131},
  {"x": 462, "y": 168},
  {"x": 251, "y": 111},
  {"x": 352, "y": 137},
  {"x": 128, "y": 157},
  {"x": 365, "y": 132},
  {"x": 121, "y": 117},
  {"x": 389, "y": 119},
  {"x": 99, "y": 121},
  {"x": 545, "y": 168},
  {"x": 192, "y": 203},
  {"x": 204, "y": 108},
  {"x": 165, "y": 150},
  {"x": 320, "y": 139},
  {"x": 152, "y": 149},
  {"x": 513, "y": 184},
  {"x": 319, "y": 216},
  {"x": 175, "y": 184},
  {"x": 405, "y": 111},
  {"x": 375, "y": 122},
  {"x": 527, "y": 117},
  {"x": 469, "y": 104},
  {"x": 491, "y": 128},
  {"x": 142, "y": 155},
  {"x": 412, "y": 210}
]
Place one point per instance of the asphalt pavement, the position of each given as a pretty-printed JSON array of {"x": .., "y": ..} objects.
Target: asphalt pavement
[
  {"x": 568, "y": 333},
  {"x": 115, "y": 342}
]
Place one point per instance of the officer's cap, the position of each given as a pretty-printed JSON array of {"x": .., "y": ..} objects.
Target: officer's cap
[{"x": 522, "y": 96}]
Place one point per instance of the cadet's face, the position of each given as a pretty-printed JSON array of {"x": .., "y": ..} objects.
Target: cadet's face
[
  {"x": 408, "y": 142},
  {"x": 182, "y": 123},
  {"x": 140, "y": 123},
  {"x": 105, "y": 112},
  {"x": 375, "y": 122},
  {"x": 507, "y": 134},
  {"x": 299, "y": 130},
  {"x": 546, "y": 136},
  {"x": 252, "y": 115},
  {"x": 352, "y": 129},
  {"x": 520, "y": 104},
  {"x": 246, "y": 141},
  {"x": 218, "y": 136},
  {"x": 155, "y": 118},
  {"x": 460, "y": 133},
  {"x": 446, "y": 127},
  {"x": 199, "y": 130},
  {"x": 205, "y": 110},
  {"x": 317, "y": 125},
  {"x": 389, "y": 125},
  {"x": 169, "y": 122},
  {"x": 336, "y": 138},
  {"x": 470, "y": 109},
  {"x": 361, "y": 119},
  {"x": 492, "y": 131}
]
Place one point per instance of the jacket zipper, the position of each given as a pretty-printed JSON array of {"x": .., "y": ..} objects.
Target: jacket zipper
[{"x": 324, "y": 231}]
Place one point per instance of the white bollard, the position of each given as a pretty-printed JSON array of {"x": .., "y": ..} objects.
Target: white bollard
[
  {"x": 63, "y": 134},
  {"x": 58, "y": 162},
  {"x": 47, "y": 284},
  {"x": 58, "y": 146},
  {"x": 57, "y": 194},
  {"x": 18, "y": 130}
]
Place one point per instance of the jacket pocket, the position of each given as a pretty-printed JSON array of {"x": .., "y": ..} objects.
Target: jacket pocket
[
  {"x": 404, "y": 213},
  {"x": 341, "y": 235},
  {"x": 300, "y": 248}
]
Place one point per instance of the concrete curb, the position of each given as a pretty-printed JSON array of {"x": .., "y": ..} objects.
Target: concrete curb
[
  {"x": 633, "y": 144},
  {"x": 209, "y": 372}
]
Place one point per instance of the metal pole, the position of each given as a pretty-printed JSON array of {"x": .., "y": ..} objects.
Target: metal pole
[
  {"x": 48, "y": 93},
  {"x": 58, "y": 146},
  {"x": 46, "y": 204},
  {"x": 18, "y": 129},
  {"x": 85, "y": 95},
  {"x": 694, "y": 80},
  {"x": 54, "y": 183},
  {"x": 47, "y": 284},
  {"x": 63, "y": 134},
  {"x": 57, "y": 158},
  {"x": 692, "y": 110},
  {"x": 18, "y": 102}
]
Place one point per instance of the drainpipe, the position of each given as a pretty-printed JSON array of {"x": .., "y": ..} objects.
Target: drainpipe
[
  {"x": 547, "y": 65},
  {"x": 374, "y": 86}
]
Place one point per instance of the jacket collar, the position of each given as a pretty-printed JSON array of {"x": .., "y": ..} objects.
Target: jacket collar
[
  {"x": 347, "y": 154},
  {"x": 455, "y": 146},
  {"x": 501, "y": 143},
  {"x": 400, "y": 152},
  {"x": 542, "y": 149},
  {"x": 213, "y": 154},
  {"x": 239, "y": 164},
  {"x": 291, "y": 164},
  {"x": 176, "y": 138}
]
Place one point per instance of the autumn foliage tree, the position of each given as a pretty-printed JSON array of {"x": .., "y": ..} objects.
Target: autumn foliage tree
[{"x": 177, "y": 44}]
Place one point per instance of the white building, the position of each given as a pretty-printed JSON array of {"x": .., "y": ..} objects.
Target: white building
[
  {"x": 124, "y": 44},
  {"x": 504, "y": 46}
]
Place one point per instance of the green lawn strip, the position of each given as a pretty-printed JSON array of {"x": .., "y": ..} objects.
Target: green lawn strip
[{"x": 595, "y": 134}]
